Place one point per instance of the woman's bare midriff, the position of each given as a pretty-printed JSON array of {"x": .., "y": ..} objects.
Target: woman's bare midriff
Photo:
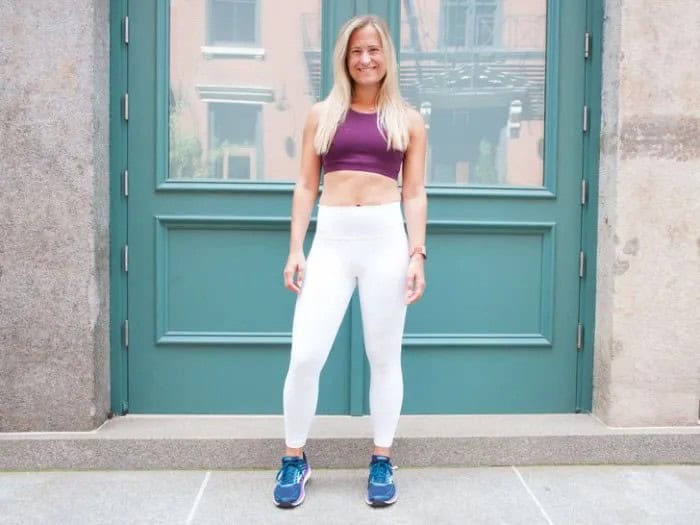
[{"x": 358, "y": 188}]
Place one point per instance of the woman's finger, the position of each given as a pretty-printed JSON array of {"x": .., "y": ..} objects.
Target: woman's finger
[
  {"x": 415, "y": 292},
  {"x": 300, "y": 275},
  {"x": 410, "y": 285},
  {"x": 289, "y": 280}
]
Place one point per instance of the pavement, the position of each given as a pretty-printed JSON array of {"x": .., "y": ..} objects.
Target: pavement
[{"x": 562, "y": 495}]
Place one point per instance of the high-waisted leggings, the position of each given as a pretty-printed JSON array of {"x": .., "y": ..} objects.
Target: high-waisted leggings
[{"x": 353, "y": 245}]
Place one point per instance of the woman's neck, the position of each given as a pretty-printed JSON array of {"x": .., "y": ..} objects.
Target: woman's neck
[{"x": 365, "y": 98}]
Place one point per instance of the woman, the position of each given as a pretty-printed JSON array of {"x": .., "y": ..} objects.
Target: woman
[{"x": 361, "y": 135}]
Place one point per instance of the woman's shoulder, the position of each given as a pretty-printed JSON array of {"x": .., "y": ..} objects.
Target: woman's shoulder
[
  {"x": 412, "y": 114},
  {"x": 314, "y": 114},
  {"x": 317, "y": 108},
  {"x": 415, "y": 121}
]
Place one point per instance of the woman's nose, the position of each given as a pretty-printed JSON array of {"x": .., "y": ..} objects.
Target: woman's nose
[{"x": 364, "y": 58}]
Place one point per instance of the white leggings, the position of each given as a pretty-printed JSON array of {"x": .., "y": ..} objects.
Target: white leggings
[{"x": 367, "y": 246}]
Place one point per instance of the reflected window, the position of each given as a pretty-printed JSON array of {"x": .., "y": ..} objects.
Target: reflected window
[
  {"x": 469, "y": 22},
  {"x": 476, "y": 71},
  {"x": 232, "y": 22},
  {"x": 233, "y": 145},
  {"x": 243, "y": 76}
]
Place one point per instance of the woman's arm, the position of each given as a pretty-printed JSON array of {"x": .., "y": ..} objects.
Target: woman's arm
[
  {"x": 303, "y": 199},
  {"x": 415, "y": 203}
]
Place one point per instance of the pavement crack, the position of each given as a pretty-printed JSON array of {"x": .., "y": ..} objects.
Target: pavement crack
[{"x": 532, "y": 495}]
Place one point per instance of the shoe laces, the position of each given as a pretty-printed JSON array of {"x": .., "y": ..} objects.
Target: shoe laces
[
  {"x": 290, "y": 472},
  {"x": 380, "y": 472}
]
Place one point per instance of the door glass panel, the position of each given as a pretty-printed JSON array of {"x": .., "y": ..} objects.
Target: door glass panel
[
  {"x": 243, "y": 76},
  {"x": 475, "y": 69}
]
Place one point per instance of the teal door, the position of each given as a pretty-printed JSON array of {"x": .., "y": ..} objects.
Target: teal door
[{"x": 217, "y": 95}]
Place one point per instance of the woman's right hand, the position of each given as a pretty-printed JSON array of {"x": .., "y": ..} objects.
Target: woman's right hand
[{"x": 296, "y": 264}]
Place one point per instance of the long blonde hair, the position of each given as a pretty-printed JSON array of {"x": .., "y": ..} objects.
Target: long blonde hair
[{"x": 392, "y": 117}]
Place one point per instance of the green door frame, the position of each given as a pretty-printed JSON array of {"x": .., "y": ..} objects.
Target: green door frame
[
  {"x": 118, "y": 207},
  {"x": 118, "y": 198},
  {"x": 589, "y": 218}
]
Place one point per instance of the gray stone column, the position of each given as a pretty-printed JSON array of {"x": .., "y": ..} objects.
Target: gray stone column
[
  {"x": 54, "y": 214},
  {"x": 647, "y": 349}
]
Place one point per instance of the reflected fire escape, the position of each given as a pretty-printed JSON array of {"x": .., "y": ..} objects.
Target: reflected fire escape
[
  {"x": 460, "y": 77},
  {"x": 492, "y": 80}
]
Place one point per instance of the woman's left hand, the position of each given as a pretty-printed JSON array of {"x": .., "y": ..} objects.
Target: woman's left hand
[{"x": 415, "y": 285}]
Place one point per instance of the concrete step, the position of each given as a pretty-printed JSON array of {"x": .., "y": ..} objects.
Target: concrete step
[{"x": 230, "y": 442}]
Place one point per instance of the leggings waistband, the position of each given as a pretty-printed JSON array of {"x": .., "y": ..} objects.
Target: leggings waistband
[{"x": 359, "y": 222}]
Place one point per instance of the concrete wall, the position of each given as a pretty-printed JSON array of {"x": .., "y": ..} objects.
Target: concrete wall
[
  {"x": 54, "y": 214},
  {"x": 647, "y": 355}
]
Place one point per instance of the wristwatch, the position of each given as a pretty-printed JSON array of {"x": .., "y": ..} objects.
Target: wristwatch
[{"x": 420, "y": 250}]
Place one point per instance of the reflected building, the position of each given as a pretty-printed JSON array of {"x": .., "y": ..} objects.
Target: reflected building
[
  {"x": 240, "y": 89},
  {"x": 244, "y": 74},
  {"x": 475, "y": 69}
]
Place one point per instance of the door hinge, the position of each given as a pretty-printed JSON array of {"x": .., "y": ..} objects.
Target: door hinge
[
  {"x": 126, "y": 106},
  {"x": 581, "y": 262},
  {"x": 125, "y": 183},
  {"x": 126, "y": 29},
  {"x": 125, "y": 333},
  {"x": 587, "y": 45},
  {"x": 583, "y": 192},
  {"x": 579, "y": 337},
  {"x": 125, "y": 257},
  {"x": 585, "y": 118}
]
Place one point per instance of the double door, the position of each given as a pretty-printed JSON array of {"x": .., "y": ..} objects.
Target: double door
[{"x": 218, "y": 94}]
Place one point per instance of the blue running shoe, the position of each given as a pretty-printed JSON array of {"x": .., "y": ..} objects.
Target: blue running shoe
[
  {"x": 381, "y": 490},
  {"x": 291, "y": 479}
]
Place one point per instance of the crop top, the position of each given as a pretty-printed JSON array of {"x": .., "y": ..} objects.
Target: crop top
[{"x": 358, "y": 145}]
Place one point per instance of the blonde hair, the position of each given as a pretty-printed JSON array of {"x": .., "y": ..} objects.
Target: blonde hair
[{"x": 392, "y": 117}]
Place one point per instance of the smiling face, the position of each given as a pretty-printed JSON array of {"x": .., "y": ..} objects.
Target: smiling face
[{"x": 365, "y": 56}]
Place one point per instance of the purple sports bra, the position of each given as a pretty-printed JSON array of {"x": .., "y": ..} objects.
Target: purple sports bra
[{"x": 358, "y": 145}]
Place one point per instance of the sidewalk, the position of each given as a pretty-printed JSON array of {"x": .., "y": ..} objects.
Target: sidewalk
[{"x": 562, "y": 495}]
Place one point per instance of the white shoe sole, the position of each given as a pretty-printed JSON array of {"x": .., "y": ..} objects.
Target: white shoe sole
[{"x": 381, "y": 503}]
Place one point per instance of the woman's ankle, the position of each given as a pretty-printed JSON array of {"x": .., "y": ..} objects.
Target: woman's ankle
[
  {"x": 382, "y": 451},
  {"x": 298, "y": 452}
]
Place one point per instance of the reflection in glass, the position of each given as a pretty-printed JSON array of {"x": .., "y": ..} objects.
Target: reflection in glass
[
  {"x": 475, "y": 69},
  {"x": 244, "y": 73},
  {"x": 243, "y": 76},
  {"x": 231, "y": 22}
]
